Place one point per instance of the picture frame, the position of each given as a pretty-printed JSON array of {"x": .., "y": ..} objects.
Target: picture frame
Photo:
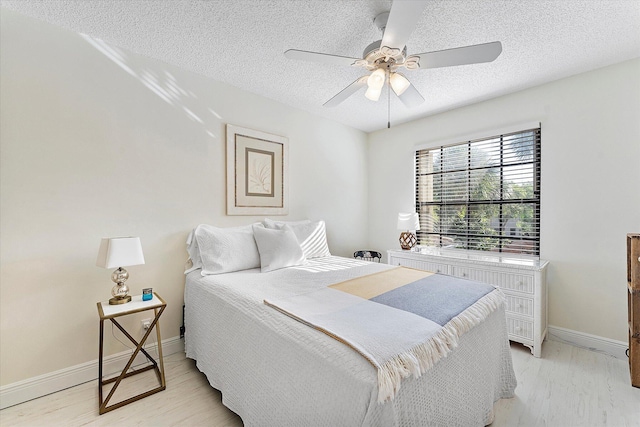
[{"x": 257, "y": 172}]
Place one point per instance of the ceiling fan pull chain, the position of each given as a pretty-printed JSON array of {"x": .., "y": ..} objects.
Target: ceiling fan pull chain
[{"x": 388, "y": 99}]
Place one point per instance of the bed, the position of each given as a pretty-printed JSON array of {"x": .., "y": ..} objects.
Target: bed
[{"x": 274, "y": 370}]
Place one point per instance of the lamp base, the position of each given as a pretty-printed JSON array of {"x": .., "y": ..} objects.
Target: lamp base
[
  {"x": 120, "y": 291},
  {"x": 407, "y": 240},
  {"x": 120, "y": 300}
]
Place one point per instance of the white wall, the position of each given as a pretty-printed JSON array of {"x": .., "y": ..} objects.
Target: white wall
[
  {"x": 590, "y": 184},
  {"x": 91, "y": 148}
]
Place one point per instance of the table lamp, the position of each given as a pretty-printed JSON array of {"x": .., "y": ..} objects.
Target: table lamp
[
  {"x": 407, "y": 222},
  {"x": 119, "y": 252}
]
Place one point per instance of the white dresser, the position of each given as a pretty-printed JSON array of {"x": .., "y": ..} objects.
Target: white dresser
[{"x": 523, "y": 281}]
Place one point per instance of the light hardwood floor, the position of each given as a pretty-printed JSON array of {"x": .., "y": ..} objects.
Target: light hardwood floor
[{"x": 567, "y": 387}]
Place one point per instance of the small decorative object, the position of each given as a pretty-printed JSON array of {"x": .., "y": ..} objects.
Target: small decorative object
[
  {"x": 406, "y": 223},
  {"x": 256, "y": 172},
  {"x": 147, "y": 294},
  {"x": 368, "y": 255},
  {"x": 118, "y": 252}
]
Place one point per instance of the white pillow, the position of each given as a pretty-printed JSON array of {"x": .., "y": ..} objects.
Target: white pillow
[
  {"x": 312, "y": 237},
  {"x": 278, "y": 248},
  {"x": 224, "y": 250},
  {"x": 271, "y": 223},
  {"x": 194, "y": 253}
]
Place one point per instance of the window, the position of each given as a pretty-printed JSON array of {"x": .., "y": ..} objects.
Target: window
[{"x": 482, "y": 194}]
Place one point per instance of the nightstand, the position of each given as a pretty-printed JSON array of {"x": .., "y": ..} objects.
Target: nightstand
[{"x": 111, "y": 312}]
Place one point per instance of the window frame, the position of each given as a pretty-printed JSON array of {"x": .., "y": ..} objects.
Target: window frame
[{"x": 468, "y": 239}]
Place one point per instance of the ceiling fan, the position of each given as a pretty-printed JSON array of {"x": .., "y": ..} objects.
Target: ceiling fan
[{"x": 385, "y": 57}]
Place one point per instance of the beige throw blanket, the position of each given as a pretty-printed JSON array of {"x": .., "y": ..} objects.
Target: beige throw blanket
[{"x": 396, "y": 341}]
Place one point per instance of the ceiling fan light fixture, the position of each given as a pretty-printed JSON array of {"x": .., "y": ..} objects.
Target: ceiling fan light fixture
[
  {"x": 382, "y": 58},
  {"x": 376, "y": 79},
  {"x": 373, "y": 93},
  {"x": 399, "y": 83}
]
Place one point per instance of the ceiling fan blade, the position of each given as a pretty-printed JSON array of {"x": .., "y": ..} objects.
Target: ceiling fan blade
[
  {"x": 473, "y": 54},
  {"x": 346, "y": 92},
  {"x": 411, "y": 97},
  {"x": 323, "y": 58},
  {"x": 403, "y": 17}
]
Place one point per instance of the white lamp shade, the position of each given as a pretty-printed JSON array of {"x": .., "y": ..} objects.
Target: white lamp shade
[
  {"x": 373, "y": 93},
  {"x": 376, "y": 79},
  {"x": 399, "y": 83},
  {"x": 408, "y": 221},
  {"x": 120, "y": 252}
]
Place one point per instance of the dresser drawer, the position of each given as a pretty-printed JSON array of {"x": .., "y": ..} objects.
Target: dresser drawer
[
  {"x": 421, "y": 265},
  {"x": 434, "y": 267},
  {"x": 516, "y": 282},
  {"x": 466, "y": 272},
  {"x": 511, "y": 281},
  {"x": 520, "y": 328},
  {"x": 519, "y": 305}
]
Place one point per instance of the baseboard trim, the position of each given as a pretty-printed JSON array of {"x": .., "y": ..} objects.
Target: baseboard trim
[
  {"x": 595, "y": 343},
  {"x": 32, "y": 388}
]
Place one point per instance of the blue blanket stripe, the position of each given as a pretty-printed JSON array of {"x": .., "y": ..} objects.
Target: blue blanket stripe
[{"x": 438, "y": 298}]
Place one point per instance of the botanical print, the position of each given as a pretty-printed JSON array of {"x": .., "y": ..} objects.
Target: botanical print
[
  {"x": 259, "y": 169},
  {"x": 256, "y": 172}
]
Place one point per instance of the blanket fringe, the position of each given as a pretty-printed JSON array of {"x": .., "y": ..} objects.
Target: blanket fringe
[{"x": 423, "y": 357}]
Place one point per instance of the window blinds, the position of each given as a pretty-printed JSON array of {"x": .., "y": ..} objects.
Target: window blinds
[{"x": 482, "y": 194}]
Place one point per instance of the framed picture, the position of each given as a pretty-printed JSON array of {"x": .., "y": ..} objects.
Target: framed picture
[{"x": 256, "y": 172}]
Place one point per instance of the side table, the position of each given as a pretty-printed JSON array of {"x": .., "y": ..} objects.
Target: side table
[{"x": 111, "y": 312}]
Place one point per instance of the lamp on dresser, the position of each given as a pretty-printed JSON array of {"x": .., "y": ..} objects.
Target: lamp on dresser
[
  {"x": 118, "y": 252},
  {"x": 406, "y": 223}
]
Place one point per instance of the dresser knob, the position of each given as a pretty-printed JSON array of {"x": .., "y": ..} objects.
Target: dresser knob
[
  {"x": 464, "y": 274},
  {"x": 438, "y": 271}
]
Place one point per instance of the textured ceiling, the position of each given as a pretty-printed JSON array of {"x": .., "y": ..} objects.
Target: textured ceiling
[{"x": 241, "y": 42}]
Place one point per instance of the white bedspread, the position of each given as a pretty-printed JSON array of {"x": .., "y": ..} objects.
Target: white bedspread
[{"x": 274, "y": 371}]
